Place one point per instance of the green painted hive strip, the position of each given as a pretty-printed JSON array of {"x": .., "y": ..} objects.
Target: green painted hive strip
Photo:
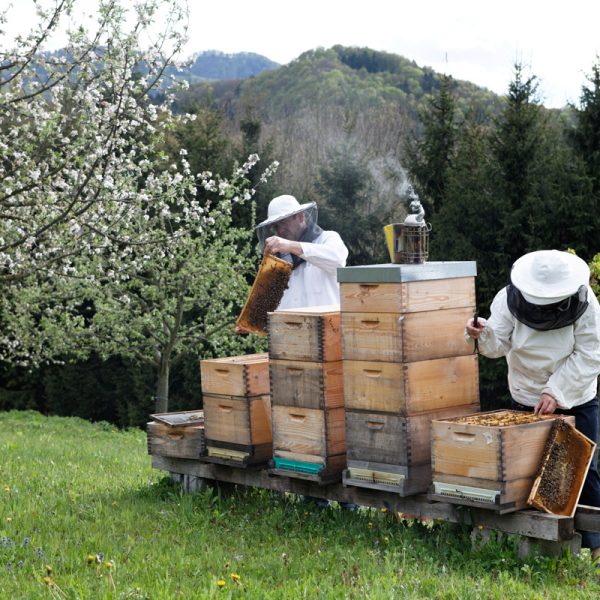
[{"x": 297, "y": 465}]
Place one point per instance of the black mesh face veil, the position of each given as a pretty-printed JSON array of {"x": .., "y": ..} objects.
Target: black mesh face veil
[
  {"x": 547, "y": 317},
  {"x": 309, "y": 233}
]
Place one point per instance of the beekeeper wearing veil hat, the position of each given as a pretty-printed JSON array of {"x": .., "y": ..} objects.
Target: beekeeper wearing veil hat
[
  {"x": 291, "y": 232},
  {"x": 546, "y": 323}
]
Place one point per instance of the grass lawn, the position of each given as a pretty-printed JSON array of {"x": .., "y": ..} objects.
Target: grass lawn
[{"x": 83, "y": 515}]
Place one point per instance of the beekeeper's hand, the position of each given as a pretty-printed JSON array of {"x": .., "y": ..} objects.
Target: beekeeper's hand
[
  {"x": 475, "y": 332},
  {"x": 546, "y": 405},
  {"x": 279, "y": 245}
]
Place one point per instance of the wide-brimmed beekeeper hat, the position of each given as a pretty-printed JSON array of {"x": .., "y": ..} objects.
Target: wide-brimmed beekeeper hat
[
  {"x": 549, "y": 276},
  {"x": 283, "y": 207}
]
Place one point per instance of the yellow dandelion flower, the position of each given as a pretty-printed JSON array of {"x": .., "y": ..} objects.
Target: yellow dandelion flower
[
  {"x": 48, "y": 581},
  {"x": 235, "y": 577},
  {"x": 7, "y": 488},
  {"x": 48, "y": 570},
  {"x": 9, "y": 519},
  {"x": 221, "y": 583},
  {"x": 370, "y": 524},
  {"x": 383, "y": 509},
  {"x": 91, "y": 558},
  {"x": 109, "y": 564}
]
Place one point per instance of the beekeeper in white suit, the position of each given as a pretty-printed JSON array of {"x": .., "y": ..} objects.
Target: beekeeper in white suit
[
  {"x": 292, "y": 233},
  {"x": 546, "y": 323}
]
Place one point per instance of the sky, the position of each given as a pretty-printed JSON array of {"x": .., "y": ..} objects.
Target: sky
[{"x": 477, "y": 41}]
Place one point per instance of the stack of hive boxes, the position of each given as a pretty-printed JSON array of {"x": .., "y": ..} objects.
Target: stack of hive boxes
[
  {"x": 307, "y": 395},
  {"x": 237, "y": 409},
  {"x": 405, "y": 364}
]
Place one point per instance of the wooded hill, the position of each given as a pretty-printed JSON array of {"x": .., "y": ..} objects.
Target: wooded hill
[
  {"x": 215, "y": 65},
  {"x": 356, "y": 101}
]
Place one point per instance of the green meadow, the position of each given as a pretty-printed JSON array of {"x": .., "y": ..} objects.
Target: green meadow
[{"x": 84, "y": 515}]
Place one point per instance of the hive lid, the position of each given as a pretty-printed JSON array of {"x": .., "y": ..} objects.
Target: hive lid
[
  {"x": 175, "y": 419},
  {"x": 401, "y": 273},
  {"x": 563, "y": 469}
]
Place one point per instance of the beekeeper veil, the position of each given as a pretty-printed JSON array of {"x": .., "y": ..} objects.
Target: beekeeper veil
[{"x": 289, "y": 219}]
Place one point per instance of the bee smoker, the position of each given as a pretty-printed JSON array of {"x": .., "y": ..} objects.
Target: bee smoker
[{"x": 410, "y": 240}]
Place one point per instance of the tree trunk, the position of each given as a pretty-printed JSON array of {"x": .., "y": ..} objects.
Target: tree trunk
[{"x": 162, "y": 387}]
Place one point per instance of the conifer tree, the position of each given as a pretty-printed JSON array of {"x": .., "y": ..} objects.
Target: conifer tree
[
  {"x": 586, "y": 135},
  {"x": 430, "y": 159}
]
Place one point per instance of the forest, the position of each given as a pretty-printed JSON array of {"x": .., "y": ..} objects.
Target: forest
[{"x": 128, "y": 198}]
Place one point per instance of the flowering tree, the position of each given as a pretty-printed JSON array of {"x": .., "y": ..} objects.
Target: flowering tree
[{"x": 105, "y": 244}]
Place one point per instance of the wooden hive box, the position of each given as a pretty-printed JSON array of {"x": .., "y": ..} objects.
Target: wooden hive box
[
  {"x": 402, "y": 289},
  {"x": 238, "y": 429},
  {"x": 317, "y": 385},
  {"x": 490, "y": 459},
  {"x": 177, "y": 434},
  {"x": 397, "y": 337},
  {"x": 394, "y": 440},
  {"x": 386, "y": 451},
  {"x": 309, "y": 443},
  {"x": 246, "y": 375},
  {"x": 406, "y": 389},
  {"x": 305, "y": 334}
]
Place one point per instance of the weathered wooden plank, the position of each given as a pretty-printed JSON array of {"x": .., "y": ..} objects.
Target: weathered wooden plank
[
  {"x": 311, "y": 334},
  {"x": 530, "y": 523},
  {"x": 317, "y": 385},
  {"x": 393, "y": 337},
  {"x": 244, "y": 375},
  {"x": 587, "y": 518}
]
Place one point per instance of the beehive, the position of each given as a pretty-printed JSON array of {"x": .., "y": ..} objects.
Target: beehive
[
  {"x": 489, "y": 459},
  {"x": 237, "y": 410},
  {"x": 405, "y": 363},
  {"x": 307, "y": 394},
  {"x": 176, "y": 434}
]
